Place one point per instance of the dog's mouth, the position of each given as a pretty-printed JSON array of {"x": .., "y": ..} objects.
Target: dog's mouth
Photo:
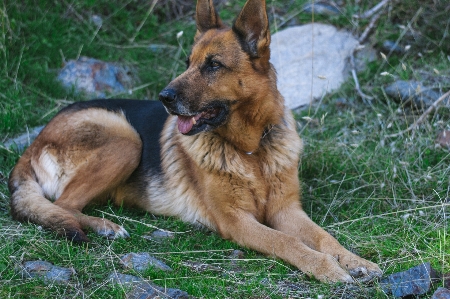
[{"x": 207, "y": 119}]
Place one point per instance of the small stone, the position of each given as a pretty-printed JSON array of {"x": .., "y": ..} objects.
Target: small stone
[
  {"x": 443, "y": 138},
  {"x": 237, "y": 254},
  {"x": 147, "y": 290},
  {"x": 95, "y": 77},
  {"x": 162, "y": 234},
  {"x": 321, "y": 8},
  {"x": 413, "y": 93},
  {"x": 119, "y": 278},
  {"x": 142, "y": 261},
  {"x": 47, "y": 271},
  {"x": 441, "y": 293},
  {"x": 141, "y": 289},
  {"x": 414, "y": 281},
  {"x": 21, "y": 142},
  {"x": 200, "y": 267},
  {"x": 389, "y": 46}
]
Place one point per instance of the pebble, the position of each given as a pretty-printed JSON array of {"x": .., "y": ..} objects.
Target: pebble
[
  {"x": 321, "y": 8},
  {"x": 142, "y": 261},
  {"x": 441, "y": 293},
  {"x": 95, "y": 77},
  {"x": 47, "y": 271},
  {"x": 141, "y": 289},
  {"x": 413, "y": 92},
  {"x": 21, "y": 142},
  {"x": 443, "y": 139}
]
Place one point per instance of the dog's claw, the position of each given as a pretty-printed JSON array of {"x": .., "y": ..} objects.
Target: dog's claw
[{"x": 361, "y": 274}]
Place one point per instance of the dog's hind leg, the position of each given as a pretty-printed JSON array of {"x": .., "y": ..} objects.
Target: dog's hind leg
[
  {"x": 105, "y": 169},
  {"x": 79, "y": 158},
  {"x": 100, "y": 173}
]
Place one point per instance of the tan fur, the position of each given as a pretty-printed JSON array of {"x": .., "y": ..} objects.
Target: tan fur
[{"x": 239, "y": 179}]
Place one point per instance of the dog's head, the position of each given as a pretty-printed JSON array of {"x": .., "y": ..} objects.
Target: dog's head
[{"x": 229, "y": 84}]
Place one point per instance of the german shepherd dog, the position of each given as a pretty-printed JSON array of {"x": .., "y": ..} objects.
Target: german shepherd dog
[{"x": 226, "y": 159}]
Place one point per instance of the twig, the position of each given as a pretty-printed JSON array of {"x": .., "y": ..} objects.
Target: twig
[
  {"x": 387, "y": 214},
  {"x": 355, "y": 78},
  {"x": 369, "y": 27},
  {"x": 374, "y": 9},
  {"x": 423, "y": 116}
]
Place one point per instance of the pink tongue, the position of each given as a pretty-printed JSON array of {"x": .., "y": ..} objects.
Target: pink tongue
[{"x": 185, "y": 124}]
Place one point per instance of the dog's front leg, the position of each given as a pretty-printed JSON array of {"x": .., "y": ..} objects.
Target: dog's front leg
[
  {"x": 244, "y": 229},
  {"x": 294, "y": 221}
]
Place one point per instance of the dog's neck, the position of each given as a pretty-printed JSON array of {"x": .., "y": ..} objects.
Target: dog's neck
[{"x": 247, "y": 136}]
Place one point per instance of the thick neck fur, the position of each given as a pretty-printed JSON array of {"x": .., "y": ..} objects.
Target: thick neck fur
[{"x": 247, "y": 123}]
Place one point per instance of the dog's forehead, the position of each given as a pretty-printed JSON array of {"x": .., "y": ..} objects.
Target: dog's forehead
[{"x": 219, "y": 43}]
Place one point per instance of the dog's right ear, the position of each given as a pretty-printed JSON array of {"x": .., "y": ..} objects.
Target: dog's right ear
[{"x": 207, "y": 17}]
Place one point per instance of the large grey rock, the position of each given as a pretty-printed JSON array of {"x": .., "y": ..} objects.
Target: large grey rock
[{"x": 310, "y": 61}]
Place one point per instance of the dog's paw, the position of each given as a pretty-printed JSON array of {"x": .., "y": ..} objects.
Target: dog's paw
[
  {"x": 109, "y": 229},
  {"x": 110, "y": 233},
  {"x": 328, "y": 270}
]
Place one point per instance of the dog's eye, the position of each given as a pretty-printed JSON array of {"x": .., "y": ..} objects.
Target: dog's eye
[{"x": 214, "y": 65}]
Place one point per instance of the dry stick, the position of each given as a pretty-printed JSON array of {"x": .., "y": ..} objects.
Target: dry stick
[
  {"x": 369, "y": 27},
  {"x": 355, "y": 78},
  {"x": 374, "y": 9},
  {"x": 422, "y": 117},
  {"x": 149, "y": 11},
  {"x": 388, "y": 214}
]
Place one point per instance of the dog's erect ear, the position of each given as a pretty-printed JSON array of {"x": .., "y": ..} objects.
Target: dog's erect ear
[
  {"x": 252, "y": 27},
  {"x": 207, "y": 17}
]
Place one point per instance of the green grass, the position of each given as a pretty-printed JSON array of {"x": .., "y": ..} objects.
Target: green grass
[{"x": 383, "y": 198}]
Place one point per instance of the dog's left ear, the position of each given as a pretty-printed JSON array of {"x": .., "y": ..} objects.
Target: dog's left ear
[
  {"x": 252, "y": 27},
  {"x": 207, "y": 17}
]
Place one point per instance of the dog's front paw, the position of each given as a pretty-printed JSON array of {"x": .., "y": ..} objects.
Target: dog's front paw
[
  {"x": 327, "y": 269},
  {"x": 108, "y": 229}
]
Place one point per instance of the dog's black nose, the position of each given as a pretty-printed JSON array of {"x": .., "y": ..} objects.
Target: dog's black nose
[{"x": 167, "y": 95}]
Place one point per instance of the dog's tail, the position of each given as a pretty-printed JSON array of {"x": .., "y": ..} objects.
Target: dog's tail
[{"x": 28, "y": 203}]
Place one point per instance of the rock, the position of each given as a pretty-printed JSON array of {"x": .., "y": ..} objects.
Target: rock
[
  {"x": 413, "y": 93},
  {"x": 390, "y": 45},
  {"x": 119, "y": 278},
  {"x": 142, "y": 261},
  {"x": 321, "y": 8},
  {"x": 237, "y": 254},
  {"x": 443, "y": 138},
  {"x": 162, "y": 234},
  {"x": 293, "y": 53},
  {"x": 24, "y": 140},
  {"x": 414, "y": 281},
  {"x": 95, "y": 78},
  {"x": 441, "y": 293},
  {"x": 201, "y": 267},
  {"x": 47, "y": 271},
  {"x": 141, "y": 289}
]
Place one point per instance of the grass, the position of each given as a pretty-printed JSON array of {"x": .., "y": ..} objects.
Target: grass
[{"x": 384, "y": 198}]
